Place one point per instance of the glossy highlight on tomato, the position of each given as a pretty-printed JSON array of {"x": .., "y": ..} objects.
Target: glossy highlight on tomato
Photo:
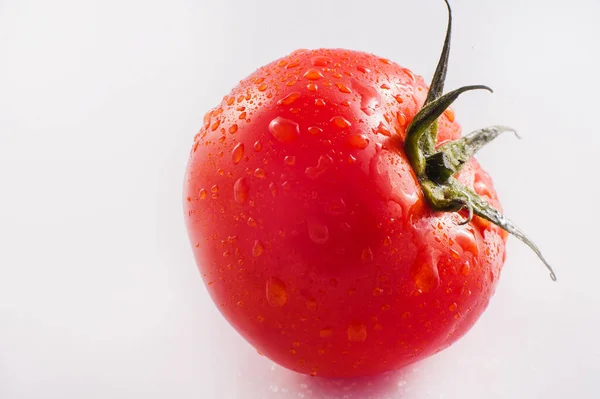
[{"x": 310, "y": 228}]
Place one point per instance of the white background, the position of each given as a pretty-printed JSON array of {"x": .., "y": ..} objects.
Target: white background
[{"x": 99, "y": 101}]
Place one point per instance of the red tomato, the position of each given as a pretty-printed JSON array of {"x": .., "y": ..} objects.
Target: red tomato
[{"x": 310, "y": 227}]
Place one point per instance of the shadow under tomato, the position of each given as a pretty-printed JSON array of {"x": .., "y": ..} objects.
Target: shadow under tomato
[{"x": 390, "y": 385}]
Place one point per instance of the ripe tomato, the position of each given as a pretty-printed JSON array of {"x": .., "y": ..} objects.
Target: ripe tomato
[{"x": 310, "y": 227}]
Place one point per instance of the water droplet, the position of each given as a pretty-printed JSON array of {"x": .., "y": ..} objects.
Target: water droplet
[
  {"x": 358, "y": 141},
  {"x": 258, "y": 248},
  {"x": 313, "y": 74},
  {"x": 466, "y": 239},
  {"x": 282, "y": 63},
  {"x": 342, "y": 87},
  {"x": 351, "y": 159},
  {"x": 273, "y": 189},
  {"x": 382, "y": 129},
  {"x": 399, "y": 99},
  {"x": 319, "y": 102},
  {"x": 202, "y": 193},
  {"x": 366, "y": 255},
  {"x": 312, "y": 87},
  {"x": 340, "y": 122},
  {"x": 337, "y": 75},
  {"x": 315, "y": 130},
  {"x": 290, "y": 98},
  {"x": 357, "y": 332},
  {"x": 425, "y": 276},
  {"x": 233, "y": 128},
  {"x": 214, "y": 189},
  {"x": 240, "y": 190},
  {"x": 215, "y": 125},
  {"x": 320, "y": 60},
  {"x": 262, "y": 87},
  {"x": 315, "y": 171},
  {"x": 326, "y": 333},
  {"x": 369, "y": 97},
  {"x": 453, "y": 307},
  {"x": 284, "y": 130},
  {"x": 386, "y": 307},
  {"x": 257, "y": 146},
  {"x": 311, "y": 304},
  {"x": 363, "y": 69},
  {"x": 465, "y": 268},
  {"x": 449, "y": 114},
  {"x": 237, "y": 153},
  {"x": 318, "y": 232},
  {"x": 276, "y": 292},
  {"x": 242, "y": 115},
  {"x": 251, "y": 222},
  {"x": 260, "y": 173},
  {"x": 387, "y": 241},
  {"x": 377, "y": 291},
  {"x": 401, "y": 119},
  {"x": 289, "y": 160}
]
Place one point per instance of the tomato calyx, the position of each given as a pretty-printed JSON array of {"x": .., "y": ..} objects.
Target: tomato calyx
[{"x": 435, "y": 167}]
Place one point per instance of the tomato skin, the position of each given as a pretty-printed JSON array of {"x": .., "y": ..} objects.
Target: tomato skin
[{"x": 309, "y": 227}]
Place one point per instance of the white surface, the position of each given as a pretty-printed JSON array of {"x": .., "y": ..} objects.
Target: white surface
[{"x": 99, "y": 101}]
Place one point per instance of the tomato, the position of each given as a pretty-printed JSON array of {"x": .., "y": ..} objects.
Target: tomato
[{"x": 310, "y": 226}]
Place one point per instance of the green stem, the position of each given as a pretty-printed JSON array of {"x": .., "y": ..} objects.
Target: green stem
[{"x": 435, "y": 168}]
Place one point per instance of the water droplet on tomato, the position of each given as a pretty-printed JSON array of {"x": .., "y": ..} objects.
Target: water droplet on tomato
[
  {"x": 214, "y": 189},
  {"x": 262, "y": 87},
  {"x": 284, "y": 130},
  {"x": 315, "y": 171},
  {"x": 326, "y": 333},
  {"x": 258, "y": 248},
  {"x": 366, "y": 256},
  {"x": 382, "y": 129},
  {"x": 319, "y": 102},
  {"x": 233, "y": 128},
  {"x": 311, "y": 304},
  {"x": 465, "y": 268},
  {"x": 202, "y": 193},
  {"x": 257, "y": 146},
  {"x": 343, "y": 88},
  {"x": 363, "y": 69},
  {"x": 318, "y": 232},
  {"x": 358, "y": 141},
  {"x": 290, "y": 98},
  {"x": 238, "y": 153},
  {"x": 273, "y": 188},
  {"x": 313, "y": 74},
  {"x": 240, "y": 190},
  {"x": 289, "y": 160},
  {"x": 320, "y": 60},
  {"x": 340, "y": 122},
  {"x": 312, "y": 87},
  {"x": 453, "y": 307},
  {"x": 426, "y": 276},
  {"x": 401, "y": 119},
  {"x": 260, "y": 173},
  {"x": 251, "y": 222},
  {"x": 276, "y": 292},
  {"x": 315, "y": 130},
  {"x": 466, "y": 239},
  {"x": 449, "y": 114},
  {"x": 369, "y": 97},
  {"x": 357, "y": 332},
  {"x": 387, "y": 241}
]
